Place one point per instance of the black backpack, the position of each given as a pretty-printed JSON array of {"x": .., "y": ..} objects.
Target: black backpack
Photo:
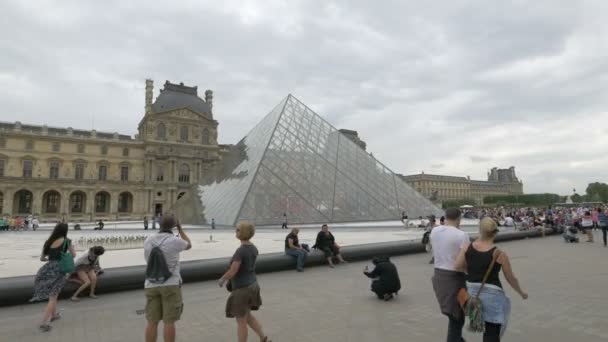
[{"x": 157, "y": 271}]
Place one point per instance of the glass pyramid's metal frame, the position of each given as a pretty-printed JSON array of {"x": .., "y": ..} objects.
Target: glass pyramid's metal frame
[{"x": 294, "y": 163}]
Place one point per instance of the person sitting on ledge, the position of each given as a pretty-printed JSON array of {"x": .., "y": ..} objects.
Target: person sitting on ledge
[
  {"x": 293, "y": 248},
  {"x": 387, "y": 282},
  {"x": 327, "y": 244},
  {"x": 86, "y": 268}
]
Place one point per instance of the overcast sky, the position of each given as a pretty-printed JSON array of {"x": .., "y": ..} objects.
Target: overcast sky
[{"x": 448, "y": 87}]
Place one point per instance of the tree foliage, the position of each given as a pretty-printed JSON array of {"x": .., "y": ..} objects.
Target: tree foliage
[
  {"x": 597, "y": 192},
  {"x": 457, "y": 203},
  {"x": 529, "y": 199}
]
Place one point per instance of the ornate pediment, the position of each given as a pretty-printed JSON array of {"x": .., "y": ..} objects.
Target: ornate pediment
[{"x": 182, "y": 114}]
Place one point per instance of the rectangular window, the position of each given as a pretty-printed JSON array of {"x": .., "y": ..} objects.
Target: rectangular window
[
  {"x": 104, "y": 149},
  {"x": 125, "y": 152},
  {"x": 103, "y": 172},
  {"x": 183, "y": 133},
  {"x": 124, "y": 173},
  {"x": 28, "y": 166},
  {"x": 29, "y": 145},
  {"x": 79, "y": 172},
  {"x": 54, "y": 170},
  {"x": 1, "y": 167},
  {"x": 80, "y": 148},
  {"x": 56, "y": 147},
  {"x": 160, "y": 174}
]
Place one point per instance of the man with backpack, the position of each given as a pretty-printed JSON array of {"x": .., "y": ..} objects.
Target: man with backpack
[{"x": 163, "y": 279}]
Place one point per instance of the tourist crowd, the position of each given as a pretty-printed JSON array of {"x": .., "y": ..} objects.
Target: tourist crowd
[{"x": 18, "y": 223}]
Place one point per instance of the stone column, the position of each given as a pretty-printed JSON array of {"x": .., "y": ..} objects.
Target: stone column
[
  {"x": 90, "y": 204},
  {"x": 7, "y": 206},
  {"x": 113, "y": 204},
  {"x": 37, "y": 202}
]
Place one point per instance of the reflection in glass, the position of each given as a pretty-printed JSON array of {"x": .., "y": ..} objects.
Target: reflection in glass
[{"x": 295, "y": 162}]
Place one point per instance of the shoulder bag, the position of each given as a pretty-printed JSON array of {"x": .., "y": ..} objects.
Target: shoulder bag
[
  {"x": 473, "y": 309},
  {"x": 66, "y": 262}
]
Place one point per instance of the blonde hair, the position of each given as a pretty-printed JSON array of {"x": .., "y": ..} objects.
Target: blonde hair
[
  {"x": 295, "y": 230},
  {"x": 487, "y": 228},
  {"x": 245, "y": 231}
]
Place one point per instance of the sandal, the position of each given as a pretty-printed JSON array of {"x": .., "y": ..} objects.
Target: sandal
[
  {"x": 266, "y": 339},
  {"x": 56, "y": 317},
  {"x": 75, "y": 299},
  {"x": 45, "y": 327}
]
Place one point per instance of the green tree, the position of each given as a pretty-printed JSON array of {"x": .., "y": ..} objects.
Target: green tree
[
  {"x": 576, "y": 198},
  {"x": 526, "y": 200},
  {"x": 597, "y": 192}
]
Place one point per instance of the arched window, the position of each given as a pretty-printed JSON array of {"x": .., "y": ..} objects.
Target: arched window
[
  {"x": 78, "y": 202},
  {"x": 102, "y": 202},
  {"x": 184, "y": 174},
  {"x": 205, "y": 137},
  {"x": 125, "y": 202},
  {"x": 161, "y": 131},
  {"x": 51, "y": 202},
  {"x": 22, "y": 203},
  {"x": 183, "y": 133}
]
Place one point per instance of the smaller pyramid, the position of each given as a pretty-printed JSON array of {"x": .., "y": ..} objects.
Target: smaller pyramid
[{"x": 295, "y": 163}]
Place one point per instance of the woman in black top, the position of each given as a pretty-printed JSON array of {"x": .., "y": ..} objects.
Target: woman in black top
[
  {"x": 245, "y": 292},
  {"x": 50, "y": 279},
  {"x": 327, "y": 243},
  {"x": 475, "y": 259}
]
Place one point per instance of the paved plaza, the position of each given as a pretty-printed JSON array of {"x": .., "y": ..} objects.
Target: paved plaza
[
  {"x": 24, "y": 258},
  {"x": 567, "y": 284}
]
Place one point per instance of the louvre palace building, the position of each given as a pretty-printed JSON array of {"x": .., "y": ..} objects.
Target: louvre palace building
[{"x": 84, "y": 175}]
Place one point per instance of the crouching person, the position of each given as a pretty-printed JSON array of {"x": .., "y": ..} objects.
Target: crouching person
[
  {"x": 387, "y": 282},
  {"x": 163, "y": 279},
  {"x": 86, "y": 269}
]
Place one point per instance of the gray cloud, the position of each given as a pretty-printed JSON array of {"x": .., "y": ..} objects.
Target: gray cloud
[
  {"x": 523, "y": 84},
  {"x": 479, "y": 159}
]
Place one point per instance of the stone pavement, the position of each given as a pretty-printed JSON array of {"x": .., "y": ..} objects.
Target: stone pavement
[{"x": 567, "y": 284}]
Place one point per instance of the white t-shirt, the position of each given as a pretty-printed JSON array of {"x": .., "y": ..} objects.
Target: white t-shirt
[
  {"x": 447, "y": 242},
  {"x": 171, "y": 246},
  {"x": 509, "y": 221}
]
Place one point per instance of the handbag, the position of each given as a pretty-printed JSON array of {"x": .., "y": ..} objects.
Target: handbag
[
  {"x": 473, "y": 309},
  {"x": 66, "y": 261}
]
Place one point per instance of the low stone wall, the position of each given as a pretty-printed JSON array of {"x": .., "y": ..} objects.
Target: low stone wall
[{"x": 18, "y": 290}]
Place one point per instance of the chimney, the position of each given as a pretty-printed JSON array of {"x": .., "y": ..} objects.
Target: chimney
[
  {"x": 149, "y": 94},
  {"x": 209, "y": 98}
]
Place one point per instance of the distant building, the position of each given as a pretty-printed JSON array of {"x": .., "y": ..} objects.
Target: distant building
[
  {"x": 354, "y": 137},
  {"x": 442, "y": 188},
  {"x": 85, "y": 175}
]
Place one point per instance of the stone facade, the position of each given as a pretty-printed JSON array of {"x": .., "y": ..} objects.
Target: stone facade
[
  {"x": 81, "y": 175},
  {"x": 440, "y": 188},
  {"x": 354, "y": 137}
]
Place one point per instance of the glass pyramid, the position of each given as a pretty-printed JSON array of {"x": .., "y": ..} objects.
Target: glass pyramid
[{"x": 294, "y": 162}]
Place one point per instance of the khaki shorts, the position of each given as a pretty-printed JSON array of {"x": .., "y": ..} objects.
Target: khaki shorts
[{"x": 164, "y": 303}]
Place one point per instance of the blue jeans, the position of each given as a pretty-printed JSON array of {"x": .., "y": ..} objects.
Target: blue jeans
[{"x": 300, "y": 256}]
